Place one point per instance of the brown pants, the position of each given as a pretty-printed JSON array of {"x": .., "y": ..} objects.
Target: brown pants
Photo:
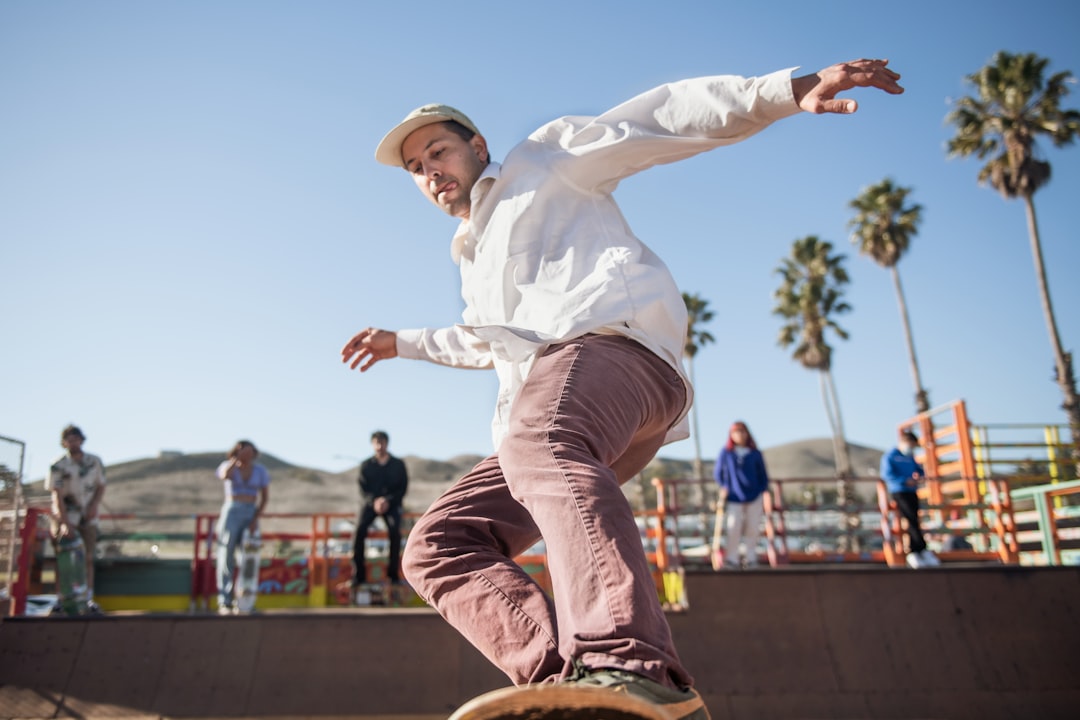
[{"x": 591, "y": 415}]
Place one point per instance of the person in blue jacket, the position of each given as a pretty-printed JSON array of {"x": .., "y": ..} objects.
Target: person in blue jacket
[
  {"x": 740, "y": 472},
  {"x": 902, "y": 476}
]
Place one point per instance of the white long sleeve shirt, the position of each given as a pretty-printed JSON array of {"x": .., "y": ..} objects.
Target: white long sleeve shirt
[{"x": 546, "y": 255}]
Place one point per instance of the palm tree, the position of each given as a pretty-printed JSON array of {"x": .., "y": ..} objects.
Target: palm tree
[
  {"x": 697, "y": 314},
  {"x": 1014, "y": 105},
  {"x": 883, "y": 230},
  {"x": 809, "y": 296}
]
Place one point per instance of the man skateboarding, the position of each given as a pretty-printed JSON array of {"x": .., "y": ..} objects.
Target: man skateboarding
[
  {"x": 76, "y": 481},
  {"x": 585, "y": 328}
]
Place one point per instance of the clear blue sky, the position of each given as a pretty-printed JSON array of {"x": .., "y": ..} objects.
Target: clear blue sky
[{"x": 192, "y": 223}]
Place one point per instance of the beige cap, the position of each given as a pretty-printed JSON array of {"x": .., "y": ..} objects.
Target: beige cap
[{"x": 389, "y": 150}]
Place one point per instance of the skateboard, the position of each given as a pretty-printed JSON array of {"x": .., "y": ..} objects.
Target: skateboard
[
  {"x": 558, "y": 702},
  {"x": 247, "y": 585},
  {"x": 718, "y": 531},
  {"x": 71, "y": 586},
  {"x": 369, "y": 594},
  {"x": 378, "y": 594}
]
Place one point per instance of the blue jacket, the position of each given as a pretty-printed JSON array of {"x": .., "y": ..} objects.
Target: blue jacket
[
  {"x": 897, "y": 469},
  {"x": 744, "y": 479}
]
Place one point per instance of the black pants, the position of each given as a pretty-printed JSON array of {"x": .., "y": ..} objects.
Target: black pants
[
  {"x": 908, "y": 505},
  {"x": 393, "y": 530}
]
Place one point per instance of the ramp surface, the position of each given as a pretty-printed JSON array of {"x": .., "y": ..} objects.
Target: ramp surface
[{"x": 985, "y": 642}]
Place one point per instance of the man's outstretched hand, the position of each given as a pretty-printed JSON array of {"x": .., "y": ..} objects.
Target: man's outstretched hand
[
  {"x": 368, "y": 347},
  {"x": 817, "y": 93}
]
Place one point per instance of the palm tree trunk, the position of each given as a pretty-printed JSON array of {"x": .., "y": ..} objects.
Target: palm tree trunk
[
  {"x": 922, "y": 399},
  {"x": 845, "y": 491},
  {"x": 844, "y": 464},
  {"x": 823, "y": 382},
  {"x": 1062, "y": 360},
  {"x": 828, "y": 399}
]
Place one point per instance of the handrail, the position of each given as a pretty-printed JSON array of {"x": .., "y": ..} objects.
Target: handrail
[
  {"x": 202, "y": 564},
  {"x": 1048, "y": 520},
  {"x": 992, "y": 456},
  {"x": 777, "y": 515},
  {"x": 20, "y": 587},
  {"x": 319, "y": 559},
  {"x": 989, "y": 520},
  {"x": 787, "y": 518},
  {"x": 950, "y": 505}
]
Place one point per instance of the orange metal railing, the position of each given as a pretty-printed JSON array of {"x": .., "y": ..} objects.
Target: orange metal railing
[
  {"x": 316, "y": 533},
  {"x": 985, "y": 523},
  {"x": 1052, "y": 526},
  {"x": 962, "y": 494},
  {"x": 816, "y": 527}
]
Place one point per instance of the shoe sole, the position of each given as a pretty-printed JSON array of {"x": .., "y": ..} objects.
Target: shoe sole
[{"x": 558, "y": 702}]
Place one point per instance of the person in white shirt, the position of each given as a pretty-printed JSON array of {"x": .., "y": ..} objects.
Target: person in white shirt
[
  {"x": 76, "y": 481},
  {"x": 585, "y": 328}
]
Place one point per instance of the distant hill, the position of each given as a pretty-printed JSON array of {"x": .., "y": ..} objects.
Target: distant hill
[
  {"x": 814, "y": 459},
  {"x": 185, "y": 484}
]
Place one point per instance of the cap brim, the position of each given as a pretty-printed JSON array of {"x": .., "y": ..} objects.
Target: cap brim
[{"x": 388, "y": 151}]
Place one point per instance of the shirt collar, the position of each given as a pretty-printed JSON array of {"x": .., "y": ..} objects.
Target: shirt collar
[{"x": 480, "y": 190}]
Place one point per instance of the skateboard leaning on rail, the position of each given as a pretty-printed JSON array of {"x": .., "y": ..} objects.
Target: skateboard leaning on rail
[
  {"x": 71, "y": 584},
  {"x": 558, "y": 702},
  {"x": 717, "y": 554},
  {"x": 247, "y": 585}
]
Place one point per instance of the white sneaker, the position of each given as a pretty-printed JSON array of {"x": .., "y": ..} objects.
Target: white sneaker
[
  {"x": 929, "y": 559},
  {"x": 914, "y": 561}
]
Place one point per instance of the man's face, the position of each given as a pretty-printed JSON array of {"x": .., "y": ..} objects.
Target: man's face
[
  {"x": 444, "y": 166},
  {"x": 72, "y": 443},
  {"x": 378, "y": 445}
]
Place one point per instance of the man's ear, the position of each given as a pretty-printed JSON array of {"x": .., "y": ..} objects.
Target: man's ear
[{"x": 479, "y": 145}]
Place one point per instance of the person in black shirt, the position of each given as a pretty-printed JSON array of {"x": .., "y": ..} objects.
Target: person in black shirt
[{"x": 383, "y": 482}]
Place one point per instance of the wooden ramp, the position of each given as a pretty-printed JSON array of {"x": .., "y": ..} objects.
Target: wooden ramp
[{"x": 949, "y": 643}]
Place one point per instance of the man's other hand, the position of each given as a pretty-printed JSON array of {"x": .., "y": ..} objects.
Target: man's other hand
[
  {"x": 368, "y": 347},
  {"x": 817, "y": 93}
]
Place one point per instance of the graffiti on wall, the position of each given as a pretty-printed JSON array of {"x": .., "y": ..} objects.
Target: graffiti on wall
[{"x": 283, "y": 576}]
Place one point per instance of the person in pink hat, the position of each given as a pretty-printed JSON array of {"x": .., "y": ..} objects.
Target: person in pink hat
[{"x": 585, "y": 328}]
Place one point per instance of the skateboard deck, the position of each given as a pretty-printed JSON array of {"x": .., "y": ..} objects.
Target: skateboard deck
[
  {"x": 247, "y": 585},
  {"x": 369, "y": 595},
  {"x": 71, "y": 586},
  {"x": 718, "y": 531},
  {"x": 558, "y": 702}
]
